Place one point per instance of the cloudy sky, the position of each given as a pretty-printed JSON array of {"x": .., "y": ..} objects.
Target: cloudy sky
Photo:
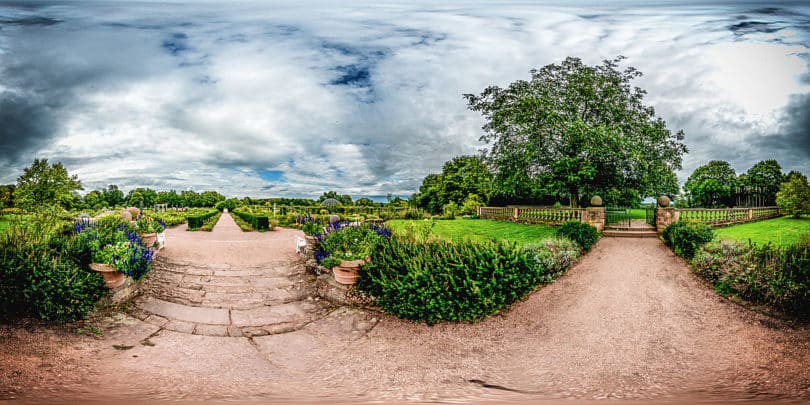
[{"x": 292, "y": 98}]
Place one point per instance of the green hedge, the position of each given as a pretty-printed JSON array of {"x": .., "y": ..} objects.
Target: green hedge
[
  {"x": 585, "y": 235},
  {"x": 196, "y": 221},
  {"x": 686, "y": 237},
  {"x": 767, "y": 274},
  {"x": 257, "y": 221},
  {"x": 436, "y": 280}
]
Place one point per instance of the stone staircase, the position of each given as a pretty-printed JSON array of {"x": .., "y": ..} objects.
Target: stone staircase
[{"x": 636, "y": 229}]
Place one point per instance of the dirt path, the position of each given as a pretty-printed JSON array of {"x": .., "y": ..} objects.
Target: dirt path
[{"x": 629, "y": 321}]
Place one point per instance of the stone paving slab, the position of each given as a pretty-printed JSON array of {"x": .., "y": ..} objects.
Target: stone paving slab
[
  {"x": 170, "y": 310},
  {"x": 294, "y": 312},
  {"x": 290, "y": 350}
]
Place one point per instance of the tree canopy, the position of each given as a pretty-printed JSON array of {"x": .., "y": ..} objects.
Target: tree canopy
[
  {"x": 574, "y": 130},
  {"x": 43, "y": 184},
  {"x": 712, "y": 185},
  {"x": 766, "y": 176},
  {"x": 460, "y": 178},
  {"x": 794, "y": 195}
]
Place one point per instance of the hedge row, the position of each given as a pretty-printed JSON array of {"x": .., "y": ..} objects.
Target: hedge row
[
  {"x": 257, "y": 221},
  {"x": 436, "y": 280},
  {"x": 198, "y": 220},
  {"x": 767, "y": 274}
]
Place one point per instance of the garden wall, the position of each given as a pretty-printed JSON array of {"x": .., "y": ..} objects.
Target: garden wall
[
  {"x": 715, "y": 217},
  {"x": 594, "y": 216}
]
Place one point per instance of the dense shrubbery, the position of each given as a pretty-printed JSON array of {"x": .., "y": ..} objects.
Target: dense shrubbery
[
  {"x": 769, "y": 274},
  {"x": 230, "y": 204},
  {"x": 170, "y": 217},
  {"x": 43, "y": 272},
  {"x": 196, "y": 221},
  {"x": 686, "y": 237},
  {"x": 583, "y": 234},
  {"x": 436, "y": 280},
  {"x": 259, "y": 222}
]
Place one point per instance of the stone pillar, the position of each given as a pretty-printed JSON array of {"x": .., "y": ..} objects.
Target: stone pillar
[
  {"x": 595, "y": 216},
  {"x": 664, "y": 217},
  {"x": 516, "y": 214}
]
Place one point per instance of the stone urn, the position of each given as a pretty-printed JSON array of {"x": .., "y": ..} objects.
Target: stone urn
[
  {"x": 347, "y": 271},
  {"x": 112, "y": 277}
]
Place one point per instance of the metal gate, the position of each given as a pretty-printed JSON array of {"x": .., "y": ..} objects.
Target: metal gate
[
  {"x": 650, "y": 215},
  {"x": 617, "y": 217}
]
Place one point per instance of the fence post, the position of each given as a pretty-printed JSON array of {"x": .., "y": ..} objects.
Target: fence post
[
  {"x": 517, "y": 213},
  {"x": 750, "y": 214}
]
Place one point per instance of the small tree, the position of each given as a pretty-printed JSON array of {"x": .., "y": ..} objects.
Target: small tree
[
  {"x": 794, "y": 195},
  {"x": 43, "y": 185}
]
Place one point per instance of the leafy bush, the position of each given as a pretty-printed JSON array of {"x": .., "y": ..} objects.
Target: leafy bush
[
  {"x": 230, "y": 204},
  {"x": 794, "y": 195},
  {"x": 451, "y": 210},
  {"x": 343, "y": 241},
  {"x": 554, "y": 256},
  {"x": 583, "y": 234},
  {"x": 210, "y": 223},
  {"x": 437, "y": 280},
  {"x": 686, "y": 237},
  {"x": 767, "y": 274},
  {"x": 259, "y": 222},
  {"x": 113, "y": 241},
  {"x": 197, "y": 220},
  {"x": 43, "y": 272},
  {"x": 170, "y": 218}
]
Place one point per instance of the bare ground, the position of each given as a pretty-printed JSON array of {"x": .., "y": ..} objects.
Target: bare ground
[{"x": 629, "y": 321}]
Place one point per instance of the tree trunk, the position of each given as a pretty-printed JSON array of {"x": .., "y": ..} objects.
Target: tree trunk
[{"x": 574, "y": 200}]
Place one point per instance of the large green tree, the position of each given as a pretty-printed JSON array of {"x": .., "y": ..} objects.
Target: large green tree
[
  {"x": 765, "y": 177},
  {"x": 793, "y": 196},
  {"x": 7, "y": 195},
  {"x": 712, "y": 185},
  {"x": 113, "y": 196},
  {"x": 460, "y": 177},
  {"x": 43, "y": 184},
  {"x": 574, "y": 130}
]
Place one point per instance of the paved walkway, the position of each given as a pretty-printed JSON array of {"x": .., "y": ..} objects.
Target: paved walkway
[
  {"x": 229, "y": 283},
  {"x": 629, "y": 321}
]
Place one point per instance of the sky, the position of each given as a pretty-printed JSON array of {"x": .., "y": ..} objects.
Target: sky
[{"x": 294, "y": 98}]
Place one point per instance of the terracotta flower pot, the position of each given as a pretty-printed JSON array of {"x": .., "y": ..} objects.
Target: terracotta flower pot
[
  {"x": 346, "y": 271},
  {"x": 149, "y": 239},
  {"x": 112, "y": 277}
]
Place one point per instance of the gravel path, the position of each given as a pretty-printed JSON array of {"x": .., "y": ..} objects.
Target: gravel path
[{"x": 628, "y": 321}]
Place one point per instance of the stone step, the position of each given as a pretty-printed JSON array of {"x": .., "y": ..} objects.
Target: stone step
[{"x": 630, "y": 233}]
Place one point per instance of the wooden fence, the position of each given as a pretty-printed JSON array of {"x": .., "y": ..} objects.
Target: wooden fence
[
  {"x": 727, "y": 216},
  {"x": 532, "y": 215}
]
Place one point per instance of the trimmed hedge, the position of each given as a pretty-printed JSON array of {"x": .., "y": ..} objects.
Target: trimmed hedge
[
  {"x": 437, "y": 280},
  {"x": 196, "y": 221},
  {"x": 258, "y": 222}
]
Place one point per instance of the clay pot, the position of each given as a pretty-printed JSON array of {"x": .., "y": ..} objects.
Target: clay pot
[
  {"x": 346, "y": 271},
  {"x": 112, "y": 277},
  {"x": 149, "y": 239}
]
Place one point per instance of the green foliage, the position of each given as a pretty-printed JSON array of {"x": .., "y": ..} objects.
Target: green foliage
[
  {"x": 712, "y": 185},
  {"x": 451, "y": 210},
  {"x": 113, "y": 196},
  {"x": 460, "y": 177},
  {"x": 345, "y": 242},
  {"x": 575, "y": 130},
  {"x": 258, "y": 222},
  {"x": 209, "y": 224},
  {"x": 312, "y": 227},
  {"x": 7, "y": 195},
  {"x": 765, "y": 274},
  {"x": 554, "y": 256},
  {"x": 794, "y": 195},
  {"x": 778, "y": 231},
  {"x": 43, "y": 184},
  {"x": 170, "y": 217},
  {"x": 765, "y": 176},
  {"x": 686, "y": 237},
  {"x": 583, "y": 234},
  {"x": 343, "y": 199},
  {"x": 471, "y": 204},
  {"x": 197, "y": 220},
  {"x": 141, "y": 197},
  {"x": 147, "y": 224},
  {"x": 436, "y": 280},
  {"x": 42, "y": 272},
  {"x": 231, "y": 204}
]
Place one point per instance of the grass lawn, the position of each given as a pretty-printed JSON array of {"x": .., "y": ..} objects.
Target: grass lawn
[
  {"x": 480, "y": 229},
  {"x": 780, "y": 231}
]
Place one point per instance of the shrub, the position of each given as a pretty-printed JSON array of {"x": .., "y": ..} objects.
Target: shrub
[
  {"x": 170, "y": 218},
  {"x": 197, "y": 220},
  {"x": 583, "y": 234},
  {"x": 437, "y": 280},
  {"x": 259, "y": 222},
  {"x": 553, "y": 256},
  {"x": 767, "y": 274},
  {"x": 230, "y": 204},
  {"x": 451, "y": 210},
  {"x": 43, "y": 273},
  {"x": 794, "y": 195},
  {"x": 686, "y": 237}
]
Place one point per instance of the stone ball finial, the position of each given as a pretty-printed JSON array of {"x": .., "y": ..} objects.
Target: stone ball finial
[
  {"x": 596, "y": 201},
  {"x": 663, "y": 201},
  {"x": 334, "y": 218}
]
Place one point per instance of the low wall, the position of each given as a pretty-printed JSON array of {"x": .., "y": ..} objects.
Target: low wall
[
  {"x": 545, "y": 215},
  {"x": 715, "y": 217}
]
